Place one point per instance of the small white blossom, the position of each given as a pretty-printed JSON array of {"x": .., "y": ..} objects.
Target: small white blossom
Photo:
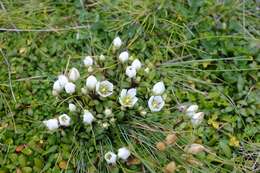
[
  {"x": 123, "y": 57},
  {"x": 130, "y": 72},
  {"x": 117, "y": 42},
  {"x": 70, "y": 88},
  {"x": 72, "y": 107},
  {"x": 64, "y": 120},
  {"x": 88, "y": 117},
  {"x": 74, "y": 74},
  {"x": 91, "y": 82},
  {"x": 57, "y": 86},
  {"x": 155, "y": 103},
  {"x": 197, "y": 118},
  {"x": 158, "y": 88},
  {"x": 51, "y": 124},
  {"x": 128, "y": 97},
  {"x": 110, "y": 157},
  {"x": 108, "y": 112},
  {"x": 63, "y": 80},
  {"x": 192, "y": 110},
  {"x": 123, "y": 153},
  {"x": 104, "y": 88},
  {"x": 136, "y": 64},
  {"x": 88, "y": 61}
]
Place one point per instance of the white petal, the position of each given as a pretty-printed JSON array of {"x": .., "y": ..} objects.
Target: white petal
[
  {"x": 123, "y": 93},
  {"x": 57, "y": 86},
  {"x": 131, "y": 92}
]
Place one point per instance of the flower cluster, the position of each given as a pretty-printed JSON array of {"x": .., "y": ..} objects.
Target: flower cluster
[{"x": 99, "y": 96}]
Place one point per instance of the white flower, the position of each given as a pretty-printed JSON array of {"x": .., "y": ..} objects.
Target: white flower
[
  {"x": 72, "y": 107},
  {"x": 130, "y": 72},
  {"x": 123, "y": 57},
  {"x": 88, "y": 117},
  {"x": 64, "y": 120},
  {"x": 192, "y": 110},
  {"x": 57, "y": 86},
  {"x": 110, "y": 157},
  {"x": 88, "y": 61},
  {"x": 70, "y": 88},
  {"x": 91, "y": 82},
  {"x": 51, "y": 124},
  {"x": 74, "y": 74},
  {"x": 63, "y": 80},
  {"x": 128, "y": 97},
  {"x": 155, "y": 103},
  {"x": 136, "y": 64},
  {"x": 117, "y": 42},
  {"x": 197, "y": 118},
  {"x": 105, "y": 125},
  {"x": 123, "y": 153},
  {"x": 104, "y": 88},
  {"x": 158, "y": 88},
  {"x": 108, "y": 112}
]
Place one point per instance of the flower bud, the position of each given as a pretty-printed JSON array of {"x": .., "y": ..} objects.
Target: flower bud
[
  {"x": 123, "y": 57},
  {"x": 147, "y": 70},
  {"x": 70, "y": 88},
  {"x": 117, "y": 42},
  {"x": 170, "y": 167},
  {"x": 64, "y": 120},
  {"x": 88, "y": 61},
  {"x": 170, "y": 139},
  {"x": 195, "y": 149},
  {"x": 105, "y": 125},
  {"x": 108, "y": 112},
  {"x": 136, "y": 64},
  {"x": 102, "y": 57},
  {"x": 161, "y": 146},
  {"x": 158, "y": 88},
  {"x": 74, "y": 74},
  {"x": 72, "y": 107},
  {"x": 55, "y": 93},
  {"x": 57, "y": 86},
  {"x": 84, "y": 90},
  {"x": 130, "y": 72},
  {"x": 90, "y": 69},
  {"x": 91, "y": 82},
  {"x": 88, "y": 117},
  {"x": 123, "y": 153},
  {"x": 51, "y": 124},
  {"x": 110, "y": 157}
]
